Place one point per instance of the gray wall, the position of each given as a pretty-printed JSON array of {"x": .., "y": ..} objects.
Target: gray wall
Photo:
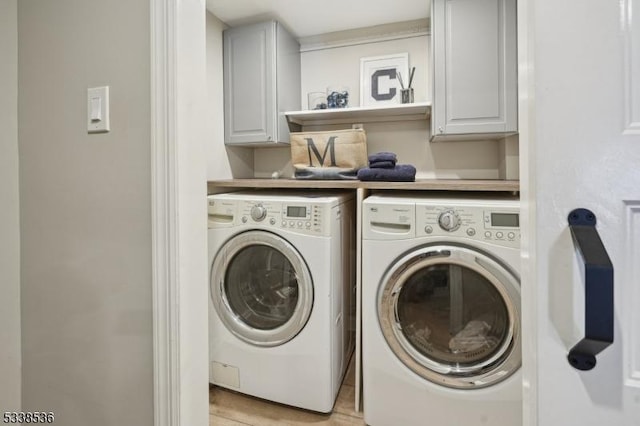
[
  {"x": 85, "y": 210},
  {"x": 9, "y": 212}
]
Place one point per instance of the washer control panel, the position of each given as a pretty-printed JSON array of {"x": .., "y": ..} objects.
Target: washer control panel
[
  {"x": 307, "y": 213},
  {"x": 305, "y": 218},
  {"x": 499, "y": 225}
]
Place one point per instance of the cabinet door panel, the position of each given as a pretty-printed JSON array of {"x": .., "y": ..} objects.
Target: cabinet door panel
[
  {"x": 474, "y": 67},
  {"x": 249, "y": 86},
  {"x": 473, "y": 62}
]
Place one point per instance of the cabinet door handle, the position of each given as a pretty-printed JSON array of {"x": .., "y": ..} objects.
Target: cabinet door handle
[{"x": 598, "y": 286}]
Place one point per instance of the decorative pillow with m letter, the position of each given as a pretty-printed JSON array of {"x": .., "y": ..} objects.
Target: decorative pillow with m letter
[{"x": 332, "y": 155}]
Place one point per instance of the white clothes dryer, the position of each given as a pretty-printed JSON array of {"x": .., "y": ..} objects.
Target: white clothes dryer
[
  {"x": 281, "y": 285},
  {"x": 441, "y": 311}
]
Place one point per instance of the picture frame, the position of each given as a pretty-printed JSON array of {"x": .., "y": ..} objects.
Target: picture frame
[{"x": 379, "y": 84}]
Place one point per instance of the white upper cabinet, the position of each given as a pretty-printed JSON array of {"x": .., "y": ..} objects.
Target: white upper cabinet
[
  {"x": 261, "y": 82},
  {"x": 474, "y": 69}
]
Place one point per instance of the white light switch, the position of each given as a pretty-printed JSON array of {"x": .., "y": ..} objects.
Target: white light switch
[{"x": 98, "y": 109}]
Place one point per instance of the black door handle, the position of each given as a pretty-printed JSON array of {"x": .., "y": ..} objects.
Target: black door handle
[{"x": 598, "y": 288}]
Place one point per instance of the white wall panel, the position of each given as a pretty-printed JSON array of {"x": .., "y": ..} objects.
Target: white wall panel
[{"x": 632, "y": 299}]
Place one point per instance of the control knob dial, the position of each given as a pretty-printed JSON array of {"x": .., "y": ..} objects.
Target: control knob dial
[
  {"x": 449, "y": 220},
  {"x": 258, "y": 212}
]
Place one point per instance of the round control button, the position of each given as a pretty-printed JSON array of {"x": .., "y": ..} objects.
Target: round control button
[
  {"x": 291, "y": 223},
  {"x": 471, "y": 232},
  {"x": 244, "y": 219},
  {"x": 284, "y": 223},
  {"x": 258, "y": 212},
  {"x": 449, "y": 220},
  {"x": 308, "y": 224},
  {"x": 499, "y": 234},
  {"x": 299, "y": 224},
  {"x": 511, "y": 235},
  {"x": 272, "y": 221},
  {"x": 487, "y": 234},
  {"x": 428, "y": 229}
]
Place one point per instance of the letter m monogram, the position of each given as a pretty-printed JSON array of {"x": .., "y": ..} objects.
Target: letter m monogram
[{"x": 313, "y": 149}]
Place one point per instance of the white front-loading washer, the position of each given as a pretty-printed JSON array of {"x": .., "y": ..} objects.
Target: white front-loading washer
[
  {"x": 281, "y": 294},
  {"x": 441, "y": 311}
]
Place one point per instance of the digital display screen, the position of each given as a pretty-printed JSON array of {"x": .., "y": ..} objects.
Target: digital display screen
[
  {"x": 296, "y": 211},
  {"x": 505, "y": 219}
]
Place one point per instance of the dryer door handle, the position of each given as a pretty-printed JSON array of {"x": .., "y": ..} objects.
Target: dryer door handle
[{"x": 598, "y": 286}]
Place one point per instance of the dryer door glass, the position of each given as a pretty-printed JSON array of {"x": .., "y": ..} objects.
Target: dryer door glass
[
  {"x": 261, "y": 288},
  {"x": 451, "y": 314}
]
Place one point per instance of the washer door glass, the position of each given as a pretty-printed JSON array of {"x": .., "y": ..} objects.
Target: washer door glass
[
  {"x": 261, "y": 288},
  {"x": 451, "y": 314}
]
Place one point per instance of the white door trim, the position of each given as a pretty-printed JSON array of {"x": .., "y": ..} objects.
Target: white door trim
[
  {"x": 179, "y": 212},
  {"x": 529, "y": 296},
  {"x": 164, "y": 188}
]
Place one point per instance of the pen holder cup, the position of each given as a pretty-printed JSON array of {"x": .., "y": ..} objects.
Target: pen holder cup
[{"x": 407, "y": 95}]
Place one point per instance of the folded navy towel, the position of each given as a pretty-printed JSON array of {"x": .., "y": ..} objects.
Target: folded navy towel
[
  {"x": 325, "y": 173},
  {"x": 383, "y": 165},
  {"x": 383, "y": 156},
  {"x": 400, "y": 173}
]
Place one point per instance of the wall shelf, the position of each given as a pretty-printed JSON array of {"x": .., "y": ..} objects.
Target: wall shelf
[
  {"x": 399, "y": 112},
  {"x": 420, "y": 184}
]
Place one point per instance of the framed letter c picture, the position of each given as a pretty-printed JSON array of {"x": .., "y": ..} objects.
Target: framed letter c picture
[{"x": 379, "y": 79}]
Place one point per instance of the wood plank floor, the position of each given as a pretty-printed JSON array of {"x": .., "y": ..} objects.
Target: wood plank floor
[{"x": 228, "y": 408}]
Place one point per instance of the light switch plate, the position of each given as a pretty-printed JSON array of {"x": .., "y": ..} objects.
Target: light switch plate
[{"x": 98, "y": 109}]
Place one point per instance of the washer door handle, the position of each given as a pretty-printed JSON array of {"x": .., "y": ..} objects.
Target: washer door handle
[{"x": 598, "y": 290}]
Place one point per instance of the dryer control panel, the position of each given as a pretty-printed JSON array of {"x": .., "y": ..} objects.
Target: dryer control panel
[{"x": 499, "y": 225}]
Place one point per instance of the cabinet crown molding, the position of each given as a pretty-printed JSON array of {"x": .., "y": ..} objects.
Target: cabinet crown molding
[{"x": 374, "y": 34}]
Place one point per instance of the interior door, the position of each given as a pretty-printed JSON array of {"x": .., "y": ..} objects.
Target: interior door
[{"x": 584, "y": 152}]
